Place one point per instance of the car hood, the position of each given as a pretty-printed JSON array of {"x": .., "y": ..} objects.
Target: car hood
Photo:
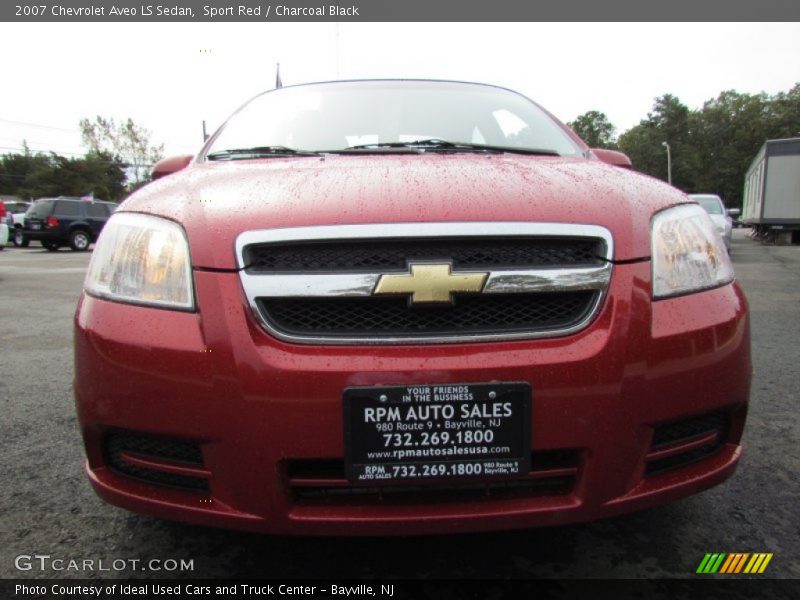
[{"x": 215, "y": 202}]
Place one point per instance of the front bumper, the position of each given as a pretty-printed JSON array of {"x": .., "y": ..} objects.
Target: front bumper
[{"x": 258, "y": 407}]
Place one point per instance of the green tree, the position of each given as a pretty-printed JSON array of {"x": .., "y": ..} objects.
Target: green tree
[
  {"x": 594, "y": 128},
  {"x": 784, "y": 114},
  {"x": 102, "y": 175},
  {"x": 670, "y": 122},
  {"x": 41, "y": 175},
  {"x": 15, "y": 170},
  {"x": 643, "y": 144},
  {"x": 126, "y": 142},
  {"x": 712, "y": 147},
  {"x": 728, "y": 131}
]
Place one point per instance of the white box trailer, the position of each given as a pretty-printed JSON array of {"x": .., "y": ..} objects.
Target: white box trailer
[{"x": 772, "y": 191}]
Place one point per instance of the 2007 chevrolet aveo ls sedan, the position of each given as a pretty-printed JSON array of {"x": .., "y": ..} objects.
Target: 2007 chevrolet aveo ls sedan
[{"x": 384, "y": 307}]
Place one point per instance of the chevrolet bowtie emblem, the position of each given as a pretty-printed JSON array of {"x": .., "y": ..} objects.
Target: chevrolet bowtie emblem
[{"x": 431, "y": 283}]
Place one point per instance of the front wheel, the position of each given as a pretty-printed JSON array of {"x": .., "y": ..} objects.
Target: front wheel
[
  {"x": 51, "y": 246},
  {"x": 79, "y": 240},
  {"x": 19, "y": 239}
]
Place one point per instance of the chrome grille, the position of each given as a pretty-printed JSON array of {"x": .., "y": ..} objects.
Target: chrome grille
[{"x": 317, "y": 284}]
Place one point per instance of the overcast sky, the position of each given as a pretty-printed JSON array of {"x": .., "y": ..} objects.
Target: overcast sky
[{"x": 170, "y": 76}]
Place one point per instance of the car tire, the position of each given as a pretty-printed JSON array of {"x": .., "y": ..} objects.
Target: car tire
[
  {"x": 19, "y": 239},
  {"x": 79, "y": 240},
  {"x": 51, "y": 246}
]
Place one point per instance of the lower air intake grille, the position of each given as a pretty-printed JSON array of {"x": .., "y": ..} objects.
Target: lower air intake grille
[
  {"x": 686, "y": 430},
  {"x": 118, "y": 447},
  {"x": 676, "y": 445},
  {"x": 367, "y": 317},
  {"x": 322, "y": 481},
  {"x": 456, "y": 492}
]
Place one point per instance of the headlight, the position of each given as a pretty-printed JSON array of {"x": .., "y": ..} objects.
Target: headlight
[
  {"x": 142, "y": 259},
  {"x": 688, "y": 253}
]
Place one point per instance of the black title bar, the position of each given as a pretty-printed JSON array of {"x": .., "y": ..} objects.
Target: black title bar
[{"x": 399, "y": 10}]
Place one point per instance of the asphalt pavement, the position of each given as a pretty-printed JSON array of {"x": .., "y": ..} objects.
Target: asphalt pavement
[{"x": 48, "y": 508}]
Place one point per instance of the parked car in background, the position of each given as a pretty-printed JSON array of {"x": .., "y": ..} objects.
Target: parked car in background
[
  {"x": 714, "y": 206},
  {"x": 3, "y": 225},
  {"x": 735, "y": 214},
  {"x": 16, "y": 218},
  {"x": 61, "y": 221},
  {"x": 17, "y": 207}
]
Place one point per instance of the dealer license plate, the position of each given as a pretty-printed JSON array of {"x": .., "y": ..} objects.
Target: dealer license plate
[{"x": 437, "y": 431}]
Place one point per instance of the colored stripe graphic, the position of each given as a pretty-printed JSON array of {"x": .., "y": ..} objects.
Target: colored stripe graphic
[
  {"x": 715, "y": 567},
  {"x": 703, "y": 563},
  {"x": 734, "y": 560},
  {"x": 734, "y": 563},
  {"x": 758, "y": 563},
  {"x": 741, "y": 562},
  {"x": 756, "y": 560},
  {"x": 711, "y": 563},
  {"x": 731, "y": 560},
  {"x": 765, "y": 563}
]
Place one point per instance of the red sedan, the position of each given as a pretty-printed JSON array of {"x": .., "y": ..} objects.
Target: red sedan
[{"x": 394, "y": 307}]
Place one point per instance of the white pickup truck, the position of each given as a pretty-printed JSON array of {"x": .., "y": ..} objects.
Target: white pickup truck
[{"x": 16, "y": 219}]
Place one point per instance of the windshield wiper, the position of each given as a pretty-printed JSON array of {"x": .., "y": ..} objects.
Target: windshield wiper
[
  {"x": 257, "y": 152},
  {"x": 439, "y": 144}
]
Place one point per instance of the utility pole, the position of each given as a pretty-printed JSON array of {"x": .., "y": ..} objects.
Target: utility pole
[
  {"x": 205, "y": 135},
  {"x": 669, "y": 163}
]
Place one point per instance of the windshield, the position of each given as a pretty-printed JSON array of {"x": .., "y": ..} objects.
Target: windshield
[
  {"x": 711, "y": 204},
  {"x": 338, "y": 116}
]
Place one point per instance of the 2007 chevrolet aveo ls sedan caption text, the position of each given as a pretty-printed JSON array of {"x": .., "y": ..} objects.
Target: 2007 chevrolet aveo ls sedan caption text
[{"x": 384, "y": 307}]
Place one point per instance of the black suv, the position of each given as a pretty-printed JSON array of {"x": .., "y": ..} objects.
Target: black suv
[{"x": 59, "y": 221}]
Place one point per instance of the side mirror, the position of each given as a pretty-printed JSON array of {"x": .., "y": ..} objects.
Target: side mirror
[
  {"x": 734, "y": 212},
  {"x": 167, "y": 166},
  {"x": 613, "y": 157}
]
